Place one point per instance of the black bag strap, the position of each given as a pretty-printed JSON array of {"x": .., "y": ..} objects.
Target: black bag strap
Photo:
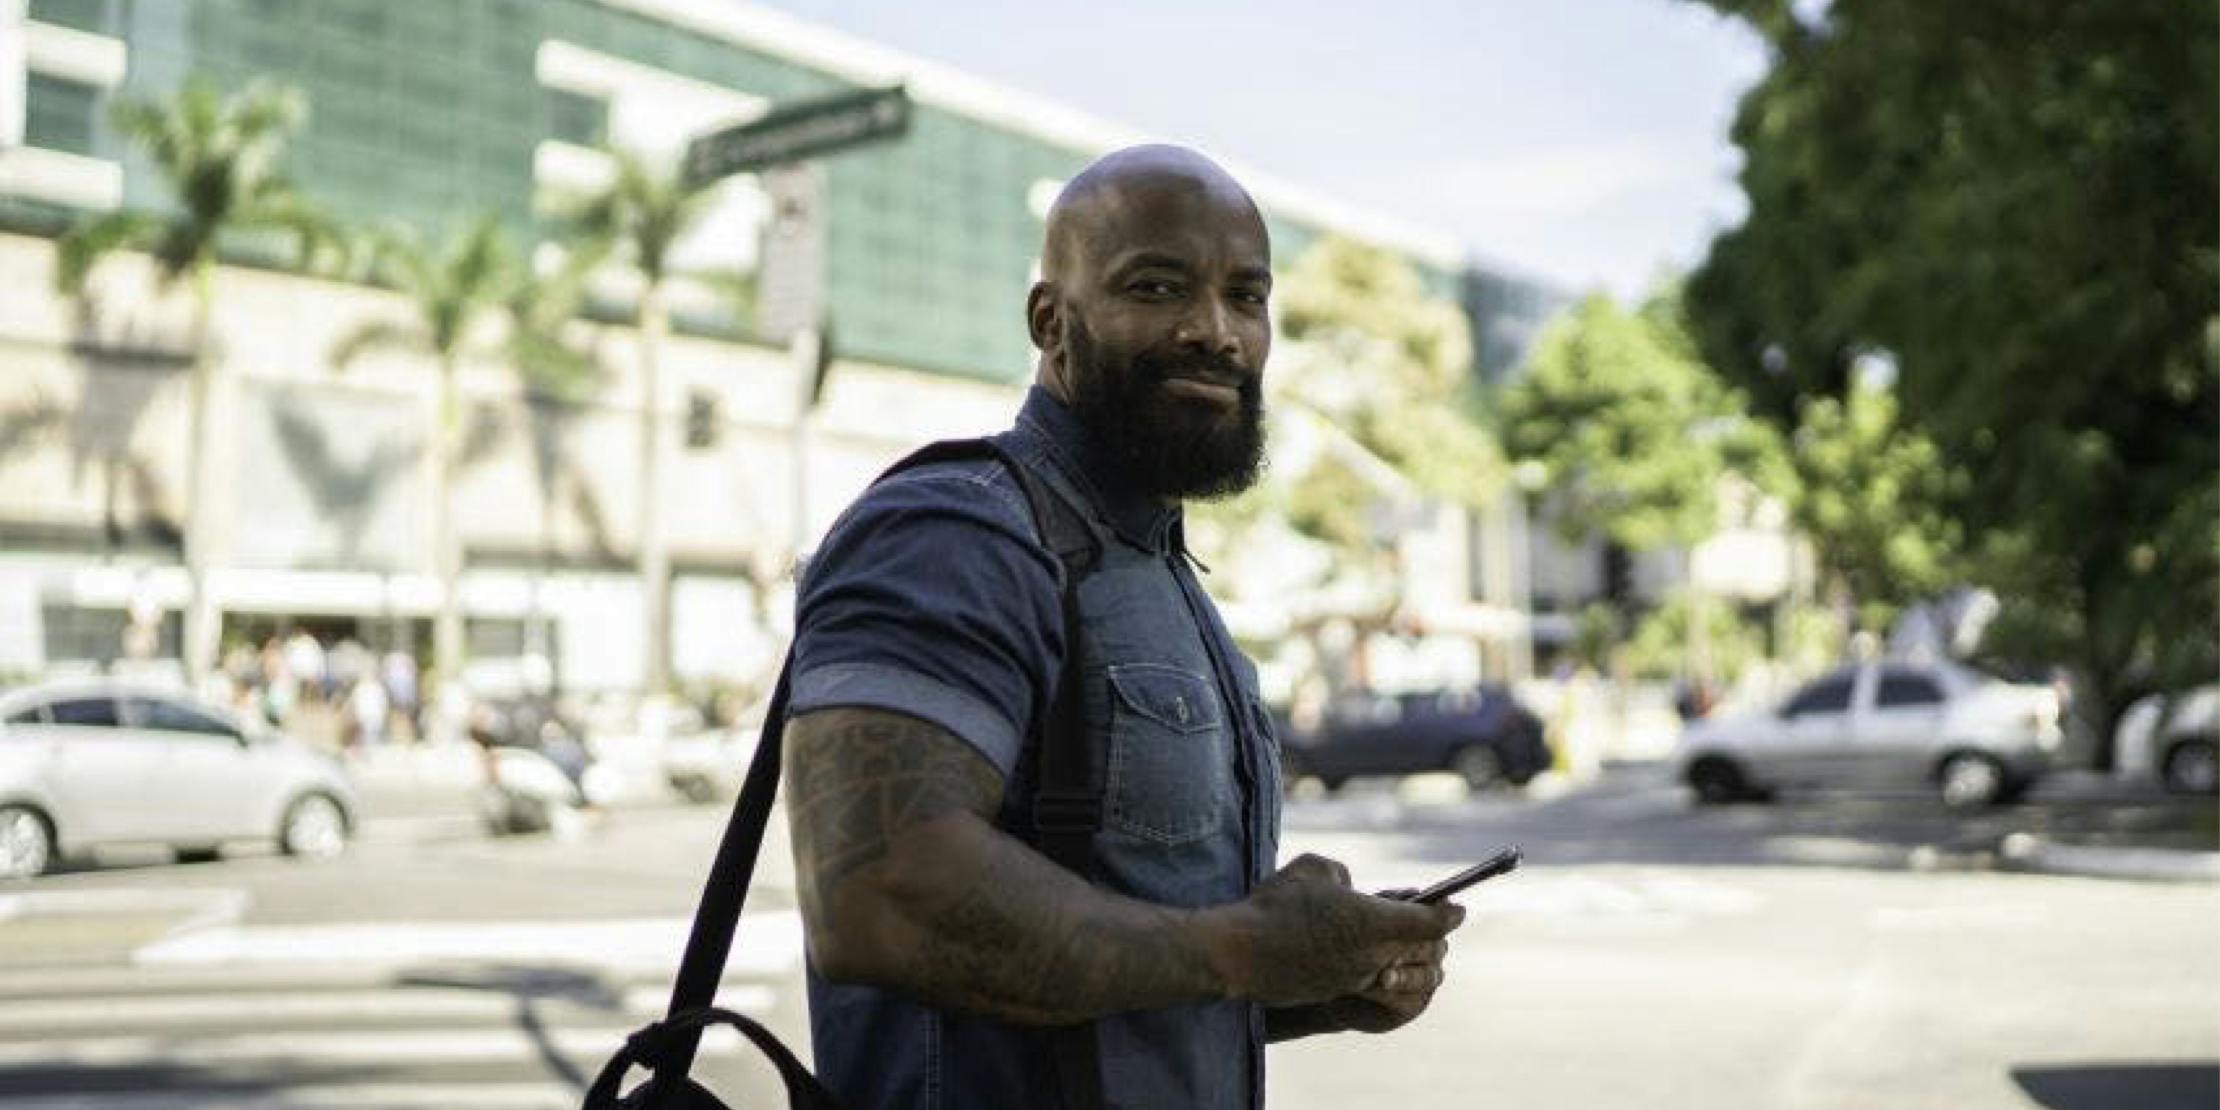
[
  {"x": 1067, "y": 811},
  {"x": 658, "y": 1048}
]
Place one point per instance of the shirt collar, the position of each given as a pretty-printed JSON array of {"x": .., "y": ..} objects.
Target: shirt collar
[{"x": 1137, "y": 518}]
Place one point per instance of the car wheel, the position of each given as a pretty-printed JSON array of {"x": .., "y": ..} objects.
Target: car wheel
[
  {"x": 1969, "y": 780},
  {"x": 1478, "y": 765},
  {"x": 2192, "y": 767},
  {"x": 1718, "y": 781},
  {"x": 314, "y": 828},
  {"x": 26, "y": 843}
]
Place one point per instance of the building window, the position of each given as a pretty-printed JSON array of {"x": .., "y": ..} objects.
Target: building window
[
  {"x": 77, "y": 15},
  {"x": 576, "y": 118},
  {"x": 59, "y": 114}
]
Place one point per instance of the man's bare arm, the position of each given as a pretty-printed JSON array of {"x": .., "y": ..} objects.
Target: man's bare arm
[{"x": 906, "y": 884}]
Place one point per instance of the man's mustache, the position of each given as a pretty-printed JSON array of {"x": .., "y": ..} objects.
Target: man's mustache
[{"x": 1219, "y": 371}]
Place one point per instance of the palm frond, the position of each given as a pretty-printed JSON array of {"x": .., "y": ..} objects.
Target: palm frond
[
  {"x": 84, "y": 245},
  {"x": 320, "y": 245},
  {"x": 553, "y": 368},
  {"x": 377, "y": 335}
]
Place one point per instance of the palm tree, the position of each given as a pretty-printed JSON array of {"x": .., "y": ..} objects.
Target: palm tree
[
  {"x": 220, "y": 156},
  {"x": 641, "y": 214},
  {"x": 461, "y": 295}
]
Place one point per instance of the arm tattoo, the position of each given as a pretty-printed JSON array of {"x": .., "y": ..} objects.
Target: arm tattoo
[
  {"x": 988, "y": 925},
  {"x": 860, "y": 777},
  {"x": 1029, "y": 942}
]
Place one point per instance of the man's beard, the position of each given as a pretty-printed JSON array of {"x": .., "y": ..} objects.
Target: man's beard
[{"x": 1162, "y": 445}]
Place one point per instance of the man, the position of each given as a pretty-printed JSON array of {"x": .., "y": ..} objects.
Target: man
[{"x": 944, "y": 948}]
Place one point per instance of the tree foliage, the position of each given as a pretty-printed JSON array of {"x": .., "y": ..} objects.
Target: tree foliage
[
  {"x": 1388, "y": 365},
  {"x": 1875, "y": 497},
  {"x": 1632, "y": 433},
  {"x": 2019, "y": 204},
  {"x": 222, "y": 158}
]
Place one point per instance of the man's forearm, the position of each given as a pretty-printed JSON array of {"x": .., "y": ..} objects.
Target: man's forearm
[
  {"x": 1289, "y": 1023},
  {"x": 906, "y": 885},
  {"x": 1013, "y": 936}
]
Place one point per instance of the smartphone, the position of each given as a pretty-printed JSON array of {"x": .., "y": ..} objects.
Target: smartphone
[{"x": 1497, "y": 864}]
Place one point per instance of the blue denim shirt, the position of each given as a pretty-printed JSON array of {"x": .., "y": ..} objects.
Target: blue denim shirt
[{"x": 932, "y": 596}]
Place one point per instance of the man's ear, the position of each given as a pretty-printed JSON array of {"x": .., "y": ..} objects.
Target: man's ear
[{"x": 1042, "y": 314}]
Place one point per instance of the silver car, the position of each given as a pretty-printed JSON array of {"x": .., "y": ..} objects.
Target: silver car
[
  {"x": 86, "y": 764},
  {"x": 1975, "y": 739}
]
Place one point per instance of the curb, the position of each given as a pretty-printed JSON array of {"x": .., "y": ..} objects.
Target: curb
[{"x": 2030, "y": 853}]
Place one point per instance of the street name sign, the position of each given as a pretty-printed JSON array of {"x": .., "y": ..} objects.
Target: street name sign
[{"x": 801, "y": 130}]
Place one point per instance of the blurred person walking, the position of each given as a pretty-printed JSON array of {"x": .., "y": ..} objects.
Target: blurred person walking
[
  {"x": 304, "y": 658},
  {"x": 952, "y": 961},
  {"x": 399, "y": 672}
]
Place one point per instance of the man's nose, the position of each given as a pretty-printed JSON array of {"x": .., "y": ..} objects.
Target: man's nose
[{"x": 1208, "y": 329}]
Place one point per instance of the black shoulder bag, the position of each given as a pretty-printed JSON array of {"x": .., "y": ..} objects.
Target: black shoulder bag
[{"x": 1067, "y": 811}]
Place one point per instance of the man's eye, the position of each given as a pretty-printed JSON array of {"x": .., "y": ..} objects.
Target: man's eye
[{"x": 1155, "y": 287}]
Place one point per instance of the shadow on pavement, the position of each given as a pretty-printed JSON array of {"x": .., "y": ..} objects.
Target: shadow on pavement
[
  {"x": 531, "y": 987},
  {"x": 2186, "y": 1086}
]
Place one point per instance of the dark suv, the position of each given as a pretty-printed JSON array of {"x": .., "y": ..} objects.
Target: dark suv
[{"x": 1483, "y": 735}]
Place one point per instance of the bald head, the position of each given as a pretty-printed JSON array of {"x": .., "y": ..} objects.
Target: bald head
[
  {"x": 1153, "y": 318},
  {"x": 1126, "y": 187}
]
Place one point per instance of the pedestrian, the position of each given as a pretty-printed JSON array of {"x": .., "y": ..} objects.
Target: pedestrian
[
  {"x": 399, "y": 672},
  {"x": 304, "y": 657},
  {"x": 949, "y": 958},
  {"x": 370, "y": 707}
]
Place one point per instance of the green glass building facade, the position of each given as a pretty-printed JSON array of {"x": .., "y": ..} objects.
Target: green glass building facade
[{"x": 429, "y": 111}]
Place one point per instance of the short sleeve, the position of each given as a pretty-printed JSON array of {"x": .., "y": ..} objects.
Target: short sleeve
[{"x": 932, "y": 598}]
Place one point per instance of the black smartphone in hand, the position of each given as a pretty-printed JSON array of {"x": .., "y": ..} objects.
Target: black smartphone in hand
[{"x": 1497, "y": 864}]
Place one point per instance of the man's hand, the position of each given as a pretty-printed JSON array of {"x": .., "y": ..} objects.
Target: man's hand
[
  {"x": 1304, "y": 937},
  {"x": 1402, "y": 992}
]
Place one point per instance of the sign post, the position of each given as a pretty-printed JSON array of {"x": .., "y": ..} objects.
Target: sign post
[{"x": 791, "y": 280}]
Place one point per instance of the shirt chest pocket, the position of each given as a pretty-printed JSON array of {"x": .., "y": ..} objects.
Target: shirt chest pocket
[{"x": 1170, "y": 750}]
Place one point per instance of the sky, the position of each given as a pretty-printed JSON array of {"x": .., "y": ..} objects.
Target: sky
[{"x": 1581, "y": 142}]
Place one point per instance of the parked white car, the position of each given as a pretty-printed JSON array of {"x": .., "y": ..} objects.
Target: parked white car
[
  {"x": 1978, "y": 740},
  {"x": 93, "y": 763},
  {"x": 2174, "y": 738}
]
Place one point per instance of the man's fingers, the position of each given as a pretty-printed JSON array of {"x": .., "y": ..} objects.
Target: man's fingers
[
  {"x": 1318, "y": 866},
  {"x": 1409, "y": 979},
  {"x": 1411, "y": 921}
]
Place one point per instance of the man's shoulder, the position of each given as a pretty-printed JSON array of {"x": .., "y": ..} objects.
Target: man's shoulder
[
  {"x": 978, "y": 496},
  {"x": 982, "y": 484}
]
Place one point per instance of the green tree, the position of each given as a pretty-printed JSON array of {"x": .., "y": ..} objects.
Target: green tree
[
  {"x": 1875, "y": 497},
  {"x": 1632, "y": 431},
  {"x": 472, "y": 297},
  {"x": 1634, "y": 437},
  {"x": 222, "y": 158},
  {"x": 1389, "y": 365},
  {"x": 2020, "y": 204},
  {"x": 641, "y": 215}
]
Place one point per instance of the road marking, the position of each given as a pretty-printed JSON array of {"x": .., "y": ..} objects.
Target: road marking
[
  {"x": 1935, "y": 919},
  {"x": 402, "y": 1002},
  {"x": 412, "y": 1047},
  {"x": 385, "y": 1096},
  {"x": 767, "y": 943},
  {"x": 203, "y": 907}
]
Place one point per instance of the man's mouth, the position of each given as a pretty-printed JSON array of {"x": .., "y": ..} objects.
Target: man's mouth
[{"x": 1205, "y": 390}]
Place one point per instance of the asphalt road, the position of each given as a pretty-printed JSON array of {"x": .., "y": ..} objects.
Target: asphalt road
[{"x": 1822, "y": 952}]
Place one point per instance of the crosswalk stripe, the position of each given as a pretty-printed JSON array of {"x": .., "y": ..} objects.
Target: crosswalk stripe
[
  {"x": 383, "y": 1096},
  {"x": 38, "y": 1017},
  {"x": 417, "y": 1047},
  {"x": 764, "y": 942}
]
